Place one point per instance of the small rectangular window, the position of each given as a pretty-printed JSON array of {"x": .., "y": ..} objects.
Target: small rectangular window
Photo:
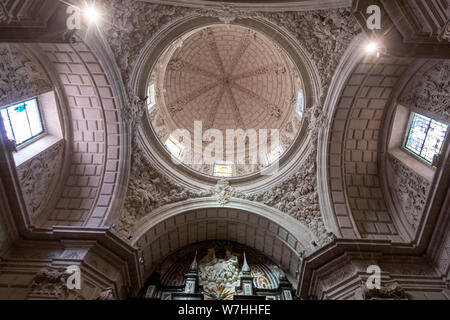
[
  {"x": 22, "y": 121},
  {"x": 174, "y": 147},
  {"x": 300, "y": 103},
  {"x": 425, "y": 137},
  {"x": 151, "y": 96},
  {"x": 223, "y": 170}
]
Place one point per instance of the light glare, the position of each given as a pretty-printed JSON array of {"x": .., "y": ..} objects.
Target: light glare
[
  {"x": 372, "y": 47},
  {"x": 91, "y": 13}
]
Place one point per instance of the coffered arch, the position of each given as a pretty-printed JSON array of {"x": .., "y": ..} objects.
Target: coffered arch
[
  {"x": 91, "y": 181},
  {"x": 172, "y": 227},
  {"x": 353, "y": 177}
]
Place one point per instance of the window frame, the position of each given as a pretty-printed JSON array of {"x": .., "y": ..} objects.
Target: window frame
[
  {"x": 408, "y": 133},
  {"x": 302, "y": 111},
  {"x": 41, "y": 117},
  {"x": 151, "y": 95},
  {"x": 227, "y": 164},
  {"x": 177, "y": 144}
]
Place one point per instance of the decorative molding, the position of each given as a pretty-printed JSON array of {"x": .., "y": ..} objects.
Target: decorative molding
[
  {"x": 286, "y": 5},
  {"x": 429, "y": 90}
]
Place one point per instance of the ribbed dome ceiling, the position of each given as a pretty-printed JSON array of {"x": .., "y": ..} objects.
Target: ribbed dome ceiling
[{"x": 229, "y": 77}]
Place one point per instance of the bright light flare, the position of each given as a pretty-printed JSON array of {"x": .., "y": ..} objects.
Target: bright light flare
[
  {"x": 91, "y": 13},
  {"x": 372, "y": 47}
]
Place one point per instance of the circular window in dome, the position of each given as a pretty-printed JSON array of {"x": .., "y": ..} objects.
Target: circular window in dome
[{"x": 225, "y": 100}]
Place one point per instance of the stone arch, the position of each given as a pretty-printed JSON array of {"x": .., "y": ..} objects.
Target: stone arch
[
  {"x": 350, "y": 157},
  {"x": 171, "y": 227},
  {"x": 96, "y": 135}
]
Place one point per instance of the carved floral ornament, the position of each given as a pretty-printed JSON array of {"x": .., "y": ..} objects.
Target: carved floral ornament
[
  {"x": 430, "y": 91},
  {"x": 20, "y": 76},
  {"x": 410, "y": 189},
  {"x": 36, "y": 176},
  {"x": 50, "y": 282},
  {"x": 391, "y": 291}
]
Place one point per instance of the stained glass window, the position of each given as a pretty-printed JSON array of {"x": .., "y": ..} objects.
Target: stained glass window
[
  {"x": 300, "y": 103},
  {"x": 174, "y": 147},
  {"x": 425, "y": 137},
  {"x": 223, "y": 170},
  {"x": 22, "y": 121},
  {"x": 274, "y": 155}
]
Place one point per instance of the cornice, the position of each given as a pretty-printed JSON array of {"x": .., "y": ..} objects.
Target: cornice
[
  {"x": 270, "y": 6},
  {"x": 360, "y": 249}
]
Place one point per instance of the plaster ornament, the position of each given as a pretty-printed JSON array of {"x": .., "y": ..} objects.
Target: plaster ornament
[
  {"x": 147, "y": 190},
  {"x": 430, "y": 91},
  {"x": 219, "y": 277},
  {"x": 390, "y": 292},
  {"x": 410, "y": 189},
  {"x": 37, "y": 175},
  {"x": 445, "y": 32},
  {"x": 50, "y": 282},
  {"x": 107, "y": 294},
  {"x": 134, "y": 111},
  {"x": 20, "y": 76},
  {"x": 3, "y": 14},
  {"x": 223, "y": 192}
]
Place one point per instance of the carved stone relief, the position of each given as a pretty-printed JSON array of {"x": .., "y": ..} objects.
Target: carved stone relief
[
  {"x": 37, "y": 175},
  {"x": 410, "y": 189},
  {"x": 147, "y": 190},
  {"x": 390, "y": 292},
  {"x": 215, "y": 271},
  {"x": 430, "y": 91},
  {"x": 107, "y": 294},
  {"x": 20, "y": 76},
  {"x": 50, "y": 282},
  {"x": 3, "y": 14}
]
